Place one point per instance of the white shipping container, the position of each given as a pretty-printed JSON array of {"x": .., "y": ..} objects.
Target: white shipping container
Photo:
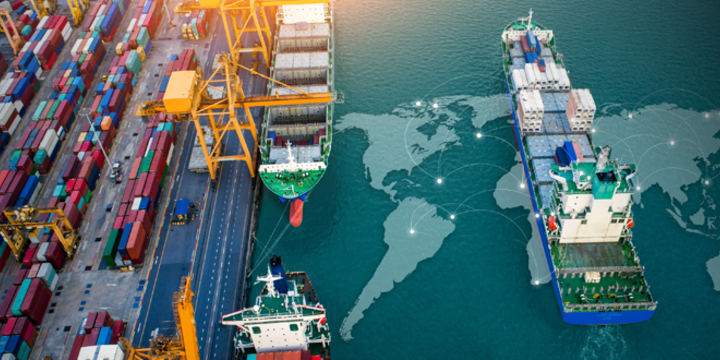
[
  {"x": 47, "y": 35},
  {"x": 35, "y": 235},
  {"x": 49, "y": 141},
  {"x": 142, "y": 19},
  {"x": 36, "y": 193},
  {"x": 14, "y": 125},
  {"x": 66, "y": 32},
  {"x": 110, "y": 352},
  {"x": 86, "y": 48},
  {"x": 538, "y": 76},
  {"x": 55, "y": 281},
  {"x": 101, "y": 11},
  {"x": 136, "y": 204},
  {"x": 47, "y": 273},
  {"x": 81, "y": 155},
  {"x": 42, "y": 249},
  {"x": 526, "y": 84},
  {"x": 88, "y": 352},
  {"x": 147, "y": 150},
  {"x": 530, "y": 74},
  {"x": 6, "y": 113},
  {"x": 76, "y": 48},
  {"x": 19, "y": 105},
  {"x": 42, "y": 22},
  {"x": 539, "y": 102},
  {"x": 9, "y": 356},
  {"x": 5, "y": 86},
  {"x": 26, "y": 46},
  {"x": 564, "y": 80},
  {"x": 38, "y": 72},
  {"x": 131, "y": 27},
  {"x": 517, "y": 80},
  {"x": 170, "y": 154}
]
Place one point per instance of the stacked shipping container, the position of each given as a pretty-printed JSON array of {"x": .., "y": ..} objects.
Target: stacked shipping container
[
  {"x": 143, "y": 26},
  {"x": 194, "y": 26},
  {"x": 104, "y": 17},
  {"x": 98, "y": 329}
]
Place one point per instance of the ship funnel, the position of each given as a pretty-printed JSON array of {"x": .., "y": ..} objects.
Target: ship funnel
[{"x": 276, "y": 268}]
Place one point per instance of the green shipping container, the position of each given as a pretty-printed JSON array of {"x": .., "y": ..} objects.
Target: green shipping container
[
  {"x": 37, "y": 87},
  {"x": 38, "y": 111},
  {"x": 88, "y": 196},
  {"x": 53, "y": 109},
  {"x": 111, "y": 247},
  {"x": 24, "y": 351},
  {"x": 20, "y": 297},
  {"x": 40, "y": 156}
]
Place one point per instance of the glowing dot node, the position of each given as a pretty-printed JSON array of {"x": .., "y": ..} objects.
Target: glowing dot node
[
  {"x": 418, "y": 103},
  {"x": 637, "y": 188},
  {"x": 593, "y": 130},
  {"x": 412, "y": 231},
  {"x": 435, "y": 106},
  {"x": 522, "y": 186},
  {"x": 552, "y": 213},
  {"x": 630, "y": 116},
  {"x": 439, "y": 181},
  {"x": 707, "y": 182},
  {"x": 537, "y": 215},
  {"x": 479, "y": 135},
  {"x": 707, "y": 116},
  {"x": 672, "y": 142},
  {"x": 452, "y": 216},
  {"x": 537, "y": 282}
]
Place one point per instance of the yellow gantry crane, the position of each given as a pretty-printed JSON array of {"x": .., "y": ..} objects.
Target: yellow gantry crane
[
  {"x": 23, "y": 219},
  {"x": 181, "y": 347},
  {"x": 237, "y": 16},
  {"x": 78, "y": 8},
  {"x": 187, "y": 96},
  {"x": 44, "y": 8},
  {"x": 16, "y": 41}
]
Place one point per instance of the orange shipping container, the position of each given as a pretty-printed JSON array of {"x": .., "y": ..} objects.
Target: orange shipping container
[
  {"x": 107, "y": 123},
  {"x": 137, "y": 242}
]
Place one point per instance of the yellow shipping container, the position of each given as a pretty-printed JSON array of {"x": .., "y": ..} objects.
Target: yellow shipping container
[
  {"x": 180, "y": 91},
  {"x": 118, "y": 49},
  {"x": 82, "y": 137},
  {"x": 141, "y": 53}
]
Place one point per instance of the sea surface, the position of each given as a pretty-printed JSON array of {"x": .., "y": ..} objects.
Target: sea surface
[{"x": 413, "y": 268}]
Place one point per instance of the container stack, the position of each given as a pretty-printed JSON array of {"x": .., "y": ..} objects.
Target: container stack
[
  {"x": 31, "y": 299},
  {"x": 194, "y": 25},
  {"x": 535, "y": 68},
  {"x": 530, "y": 110},
  {"x": 97, "y": 338},
  {"x": 142, "y": 28},
  {"x": 580, "y": 109},
  {"x": 104, "y": 18},
  {"x": 127, "y": 242},
  {"x": 186, "y": 61},
  {"x": 49, "y": 39},
  {"x": 19, "y": 86}
]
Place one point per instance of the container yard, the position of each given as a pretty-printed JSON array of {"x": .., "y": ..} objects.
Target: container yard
[{"x": 100, "y": 185}]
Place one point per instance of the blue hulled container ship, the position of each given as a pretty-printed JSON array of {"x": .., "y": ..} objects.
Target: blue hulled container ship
[{"x": 582, "y": 199}]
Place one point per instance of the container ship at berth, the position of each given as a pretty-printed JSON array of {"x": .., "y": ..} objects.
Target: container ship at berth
[
  {"x": 287, "y": 320},
  {"x": 296, "y": 140},
  {"x": 582, "y": 198}
]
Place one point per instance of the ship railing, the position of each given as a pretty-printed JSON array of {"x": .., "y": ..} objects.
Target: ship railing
[
  {"x": 645, "y": 305},
  {"x": 604, "y": 269}
]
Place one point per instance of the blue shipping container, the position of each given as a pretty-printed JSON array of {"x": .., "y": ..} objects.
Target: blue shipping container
[{"x": 124, "y": 239}]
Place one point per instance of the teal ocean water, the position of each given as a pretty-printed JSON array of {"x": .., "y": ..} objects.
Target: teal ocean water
[{"x": 411, "y": 268}]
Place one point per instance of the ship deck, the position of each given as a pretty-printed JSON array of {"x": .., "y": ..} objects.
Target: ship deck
[{"x": 593, "y": 255}]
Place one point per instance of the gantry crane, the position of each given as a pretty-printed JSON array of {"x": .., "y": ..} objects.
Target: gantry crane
[
  {"x": 236, "y": 16},
  {"x": 184, "y": 345},
  {"x": 221, "y": 113},
  {"x": 44, "y": 8},
  {"x": 16, "y": 41},
  {"x": 78, "y": 8},
  {"x": 23, "y": 219}
]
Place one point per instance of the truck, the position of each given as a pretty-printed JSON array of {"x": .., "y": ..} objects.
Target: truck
[{"x": 184, "y": 212}]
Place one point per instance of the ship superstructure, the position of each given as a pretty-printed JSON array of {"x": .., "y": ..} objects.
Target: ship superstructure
[
  {"x": 296, "y": 140},
  {"x": 286, "y": 317},
  {"x": 582, "y": 199}
]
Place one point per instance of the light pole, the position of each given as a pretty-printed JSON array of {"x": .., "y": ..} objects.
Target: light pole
[{"x": 85, "y": 112}]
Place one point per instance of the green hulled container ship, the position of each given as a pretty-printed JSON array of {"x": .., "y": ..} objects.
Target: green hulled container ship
[
  {"x": 296, "y": 140},
  {"x": 581, "y": 197}
]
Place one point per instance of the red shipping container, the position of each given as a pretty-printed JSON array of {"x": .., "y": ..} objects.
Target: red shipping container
[
  {"x": 36, "y": 301},
  {"x": 24, "y": 328},
  {"x": 132, "y": 216},
  {"x": 150, "y": 189},
  {"x": 137, "y": 243},
  {"x": 7, "y": 303},
  {"x": 90, "y": 322},
  {"x": 89, "y": 340},
  {"x": 3, "y": 175},
  {"x": 103, "y": 320},
  {"x": 19, "y": 277},
  {"x": 118, "y": 328},
  {"x": 81, "y": 186},
  {"x": 70, "y": 169},
  {"x": 27, "y": 259},
  {"x": 9, "y": 326},
  {"x": 99, "y": 158},
  {"x": 128, "y": 194},
  {"x": 77, "y": 343},
  {"x": 140, "y": 184},
  {"x": 33, "y": 271},
  {"x": 53, "y": 202},
  {"x": 118, "y": 223},
  {"x": 144, "y": 218}
]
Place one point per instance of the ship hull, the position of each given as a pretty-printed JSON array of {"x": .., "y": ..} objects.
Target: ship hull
[{"x": 575, "y": 318}]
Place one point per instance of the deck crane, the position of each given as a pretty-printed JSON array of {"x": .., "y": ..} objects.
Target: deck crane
[
  {"x": 23, "y": 220},
  {"x": 237, "y": 15},
  {"x": 184, "y": 345},
  {"x": 220, "y": 113},
  {"x": 44, "y": 7}
]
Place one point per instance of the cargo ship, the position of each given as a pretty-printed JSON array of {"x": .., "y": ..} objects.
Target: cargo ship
[
  {"x": 581, "y": 198},
  {"x": 296, "y": 140},
  {"x": 286, "y": 320}
]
